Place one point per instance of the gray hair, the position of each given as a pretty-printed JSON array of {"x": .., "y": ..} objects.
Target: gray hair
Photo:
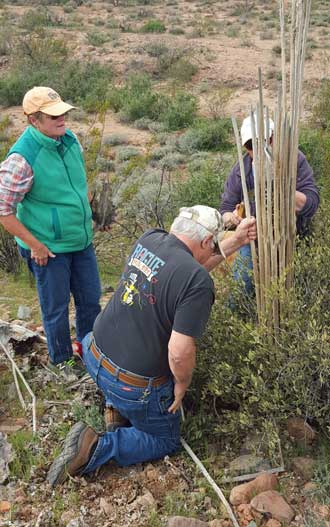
[
  {"x": 36, "y": 115},
  {"x": 189, "y": 228}
]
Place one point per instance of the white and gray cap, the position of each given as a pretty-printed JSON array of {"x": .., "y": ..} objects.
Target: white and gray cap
[
  {"x": 207, "y": 217},
  {"x": 246, "y": 129}
]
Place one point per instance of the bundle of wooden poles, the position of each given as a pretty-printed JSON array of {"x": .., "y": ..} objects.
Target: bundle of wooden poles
[{"x": 275, "y": 172}]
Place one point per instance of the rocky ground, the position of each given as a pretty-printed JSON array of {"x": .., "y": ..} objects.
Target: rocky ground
[
  {"x": 227, "y": 41},
  {"x": 169, "y": 492}
]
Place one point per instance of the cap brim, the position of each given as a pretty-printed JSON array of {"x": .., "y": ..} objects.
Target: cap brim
[{"x": 57, "y": 109}]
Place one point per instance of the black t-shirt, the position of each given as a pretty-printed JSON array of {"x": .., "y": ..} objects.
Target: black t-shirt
[{"x": 162, "y": 288}]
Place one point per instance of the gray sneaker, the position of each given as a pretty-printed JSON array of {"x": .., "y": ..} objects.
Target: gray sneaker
[{"x": 78, "y": 448}]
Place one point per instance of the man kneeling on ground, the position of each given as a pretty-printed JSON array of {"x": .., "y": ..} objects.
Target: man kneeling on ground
[{"x": 142, "y": 350}]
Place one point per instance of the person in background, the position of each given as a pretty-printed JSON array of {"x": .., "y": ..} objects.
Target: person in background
[
  {"x": 307, "y": 199},
  {"x": 44, "y": 203},
  {"x": 142, "y": 351}
]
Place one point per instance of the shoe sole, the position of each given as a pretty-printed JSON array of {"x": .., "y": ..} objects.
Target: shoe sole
[{"x": 57, "y": 473}]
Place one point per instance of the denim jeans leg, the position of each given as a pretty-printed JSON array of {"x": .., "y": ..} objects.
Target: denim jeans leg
[
  {"x": 242, "y": 268},
  {"x": 154, "y": 432},
  {"x": 86, "y": 290},
  {"x": 53, "y": 286}
]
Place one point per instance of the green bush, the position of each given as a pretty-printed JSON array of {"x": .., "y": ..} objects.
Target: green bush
[
  {"x": 178, "y": 111},
  {"x": 205, "y": 182},
  {"x": 321, "y": 107},
  {"x": 315, "y": 144},
  {"x": 44, "y": 61},
  {"x": 182, "y": 71},
  {"x": 6, "y": 40},
  {"x": 95, "y": 38},
  {"x": 137, "y": 100},
  {"x": 153, "y": 26},
  {"x": 206, "y": 135},
  {"x": 35, "y": 19}
]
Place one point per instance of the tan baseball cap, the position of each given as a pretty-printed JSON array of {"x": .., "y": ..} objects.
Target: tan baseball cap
[{"x": 46, "y": 100}]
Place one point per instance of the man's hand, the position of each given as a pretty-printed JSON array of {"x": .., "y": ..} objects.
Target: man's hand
[
  {"x": 231, "y": 218},
  {"x": 246, "y": 231},
  {"x": 301, "y": 199},
  {"x": 40, "y": 254},
  {"x": 181, "y": 358},
  {"x": 179, "y": 393}
]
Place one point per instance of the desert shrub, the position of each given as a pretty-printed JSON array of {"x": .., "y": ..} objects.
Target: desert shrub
[
  {"x": 205, "y": 182},
  {"x": 95, "y": 38},
  {"x": 177, "y": 31},
  {"x": 244, "y": 380},
  {"x": 115, "y": 140},
  {"x": 182, "y": 71},
  {"x": 315, "y": 144},
  {"x": 156, "y": 49},
  {"x": 5, "y": 137},
  {"x": 206, "y": 135},
  {"x": 43, "y": 61},
  {"x": 171, "y": 160},
  {"x": 35, "y": 19},
  {"x": 137, "y": 100},
  {"x": 104, "y": 164},
  {"x": 153, "y": 26},
  {"x": 179, "y": 111},
  {"x": 144, "y": 196},
  {"x": 127, "y": 152},
  {"x": 321, "y": 106},
  {"x": 160, "y": 152},
  {"x": 143, "y": 123},
  {"x": 6, "y": 40}
]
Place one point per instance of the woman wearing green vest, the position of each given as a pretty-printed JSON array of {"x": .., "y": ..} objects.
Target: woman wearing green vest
[{"x": 44, "y": 204}]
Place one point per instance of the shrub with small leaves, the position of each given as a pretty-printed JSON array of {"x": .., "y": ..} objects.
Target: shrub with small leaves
[
  {"x": 206, "y": 135},
  {"x": 126, "y": 153},
  {"x": 153, "y": 26}
]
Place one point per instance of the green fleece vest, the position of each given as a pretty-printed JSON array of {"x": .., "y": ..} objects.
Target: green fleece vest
[{"x": 56, "y": 209}]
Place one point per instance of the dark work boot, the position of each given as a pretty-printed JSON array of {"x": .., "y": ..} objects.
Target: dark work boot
[
  {"x": 113, "y": 419},
  {"x": 78, "y": 448}
]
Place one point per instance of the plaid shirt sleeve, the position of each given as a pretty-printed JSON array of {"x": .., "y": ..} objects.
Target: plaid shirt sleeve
[{"x": 16, "y": 178}]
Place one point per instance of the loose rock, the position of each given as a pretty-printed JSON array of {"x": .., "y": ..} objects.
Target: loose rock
[
  {"x": 243, "y": 493},
  {"x": 273, "y": 503},
  {"x": 300, "y": 430},
  {"x": 180, "y": 521},
  {"x": 273, "y": 523}
]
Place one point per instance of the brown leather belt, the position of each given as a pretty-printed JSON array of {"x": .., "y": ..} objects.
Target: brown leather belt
[{"x": 128, "y": 378}]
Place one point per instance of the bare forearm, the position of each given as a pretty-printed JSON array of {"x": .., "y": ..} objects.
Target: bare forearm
[
  {"x": 182, "y": 367},
  {"x": 182, "y": 357},
  {"x": 12, "y": 225}
]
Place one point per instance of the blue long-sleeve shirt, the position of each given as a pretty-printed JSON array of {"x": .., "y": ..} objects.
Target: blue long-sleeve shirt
[{"x": 233, "y": 192}]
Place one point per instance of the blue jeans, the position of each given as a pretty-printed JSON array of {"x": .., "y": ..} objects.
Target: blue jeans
[
  {"x": 74, "y": 272},
  {"x": 242, "y": 268},
  {"x": 154, "y": 433}
]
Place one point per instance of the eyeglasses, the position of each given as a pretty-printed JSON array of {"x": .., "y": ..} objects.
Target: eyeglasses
[{"x": 55, "y": 117}]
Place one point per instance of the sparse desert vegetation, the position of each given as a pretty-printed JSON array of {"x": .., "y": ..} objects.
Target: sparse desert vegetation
[{"x": 155, "y": 84}]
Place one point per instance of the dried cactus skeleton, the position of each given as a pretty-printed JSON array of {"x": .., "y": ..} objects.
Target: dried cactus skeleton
[
  {"x": 275, "y": 172},
  {"x": 103, "y": 211}
]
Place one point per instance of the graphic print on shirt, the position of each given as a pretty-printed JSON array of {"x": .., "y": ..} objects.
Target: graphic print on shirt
[{"x": 138, "y": 285}]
